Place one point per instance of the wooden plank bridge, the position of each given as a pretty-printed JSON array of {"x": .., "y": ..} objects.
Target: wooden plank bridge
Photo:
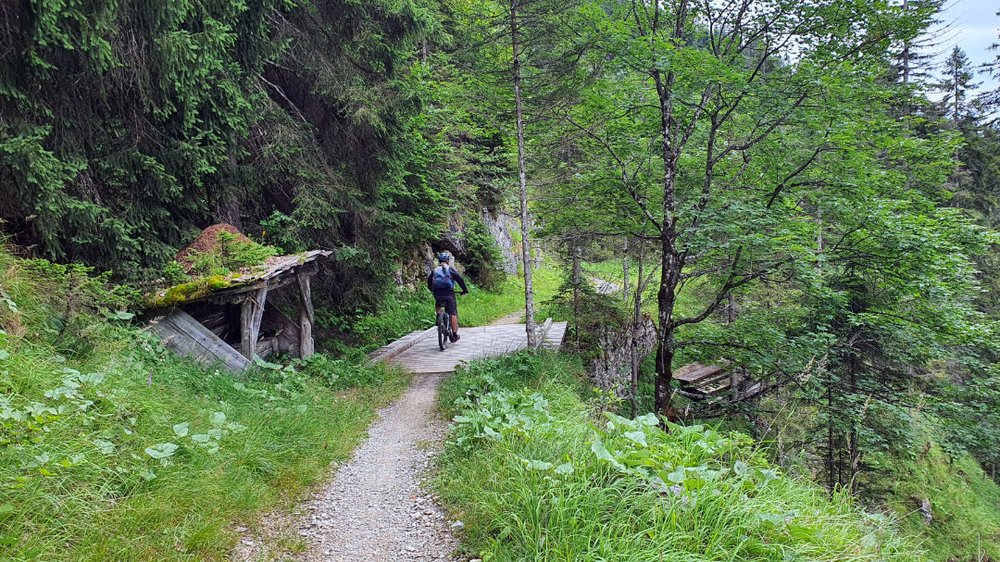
[{"x": 419, "y": 353}]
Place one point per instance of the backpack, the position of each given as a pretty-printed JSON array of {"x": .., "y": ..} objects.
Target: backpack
[{"x": 442, "y": 278}]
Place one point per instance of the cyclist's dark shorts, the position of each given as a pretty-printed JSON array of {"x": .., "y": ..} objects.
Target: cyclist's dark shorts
[{"x": 448, "y": 302}]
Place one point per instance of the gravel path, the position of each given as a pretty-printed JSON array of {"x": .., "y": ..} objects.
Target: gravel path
[
  {"x": 512, "y": 318},
  {"x": 375, "y": 509}
]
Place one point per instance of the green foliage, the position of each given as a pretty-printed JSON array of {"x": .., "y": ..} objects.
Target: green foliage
[
  {"x": 99, "y": 446},
  {"x": 589, "y": 314},
  {"x": 126, "y": 126},
  {"x": 340, "y": 374},
  {"x": 534, "y": 478},
  {"x": 174, "y": 274}
]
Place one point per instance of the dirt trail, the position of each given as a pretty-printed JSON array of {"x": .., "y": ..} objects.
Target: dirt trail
[{"x": 374, "y": 509}]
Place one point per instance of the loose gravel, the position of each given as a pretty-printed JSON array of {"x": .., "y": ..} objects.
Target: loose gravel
[{"x": 375, "y": 508}]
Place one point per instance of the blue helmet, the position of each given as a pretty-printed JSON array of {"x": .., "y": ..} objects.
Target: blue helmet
[{"x": 444, "y": 257}]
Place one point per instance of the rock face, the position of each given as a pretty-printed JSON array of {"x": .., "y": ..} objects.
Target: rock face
[
  {"x": 613, "y": 369},
  {"x": 416, "y": 266},
  {"x": 499, "y": 228}
]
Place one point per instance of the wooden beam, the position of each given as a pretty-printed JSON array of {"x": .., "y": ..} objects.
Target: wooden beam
[
  {"x": 306, "y": 317},
  {"x": 250, "y": 318}
]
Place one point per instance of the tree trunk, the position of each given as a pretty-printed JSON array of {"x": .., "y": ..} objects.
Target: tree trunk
[
  {"x": 831, "y": 463},
  {"x": 671, "y": 261},
  {"x": 576, "y": 295},
  {"x": 853, "y": 449},
  {"x": 529, "y": 294}
]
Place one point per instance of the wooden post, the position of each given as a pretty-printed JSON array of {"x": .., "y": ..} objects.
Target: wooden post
[
  {"x": 250, "y": 319},
  {"x": 306, "y": 317}
]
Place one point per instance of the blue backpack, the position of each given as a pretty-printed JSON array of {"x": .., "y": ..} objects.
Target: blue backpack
[{"x": 442, "y": 278}]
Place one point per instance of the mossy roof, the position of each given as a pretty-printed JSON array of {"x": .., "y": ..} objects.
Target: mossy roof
[{"x": 218, "y": 286}]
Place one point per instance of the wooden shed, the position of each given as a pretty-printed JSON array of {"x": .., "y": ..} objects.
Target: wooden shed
[{"x": 229, "y": 320}]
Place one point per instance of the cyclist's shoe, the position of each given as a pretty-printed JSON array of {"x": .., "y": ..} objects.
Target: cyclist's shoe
[{"x": 455, "y": 337}]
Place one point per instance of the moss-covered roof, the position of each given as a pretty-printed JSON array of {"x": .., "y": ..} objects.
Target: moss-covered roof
[{"x": 214, "y": 286}]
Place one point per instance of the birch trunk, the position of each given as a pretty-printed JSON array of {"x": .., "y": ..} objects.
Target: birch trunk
[{"x": 529, "y": 294}]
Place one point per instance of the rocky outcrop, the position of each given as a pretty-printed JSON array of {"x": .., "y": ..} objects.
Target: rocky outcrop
[
  {"x": 612, "y": 370},
  {"x": 499, "y": 228}
]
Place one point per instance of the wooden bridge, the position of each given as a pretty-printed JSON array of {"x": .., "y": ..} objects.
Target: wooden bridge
[{"x": 419, "y": 353}]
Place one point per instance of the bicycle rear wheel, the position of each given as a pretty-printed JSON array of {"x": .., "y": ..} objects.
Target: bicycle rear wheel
[{"x": 442, "y": 324}]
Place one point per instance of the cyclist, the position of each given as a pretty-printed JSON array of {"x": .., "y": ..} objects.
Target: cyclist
[{"x": 441, "y": 282}]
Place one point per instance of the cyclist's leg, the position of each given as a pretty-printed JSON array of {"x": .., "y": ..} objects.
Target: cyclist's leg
[
  {"x": 451, "y": 307},
  {"x": 439, "y": 307}
]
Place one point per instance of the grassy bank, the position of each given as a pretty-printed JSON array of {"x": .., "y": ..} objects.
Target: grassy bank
[
  {"x": 114, "y": 449},
  {"x": 964, "y": 504},
  {"x": 535, "y": 475}
]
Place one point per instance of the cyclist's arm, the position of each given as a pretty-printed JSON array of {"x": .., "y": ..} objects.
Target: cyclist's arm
[
  {"x": 430, "y": 282},
  {"x": 458, "y": 279}
]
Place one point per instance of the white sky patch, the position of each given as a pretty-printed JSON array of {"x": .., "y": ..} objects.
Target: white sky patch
[{"x": 973, "y": 25}]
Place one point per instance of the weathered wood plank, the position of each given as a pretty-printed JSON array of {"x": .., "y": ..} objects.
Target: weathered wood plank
[
  {"x": 306, "y": 317},
  {"x": 287, "y": 330},
  {"x": 696, "y": 375},
  {"x": 186, "y": 336},
  {"x": 252, "y": 314}
]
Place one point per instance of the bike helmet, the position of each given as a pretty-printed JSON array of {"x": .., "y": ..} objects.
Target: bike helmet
[{"x": 444, "y": 257}]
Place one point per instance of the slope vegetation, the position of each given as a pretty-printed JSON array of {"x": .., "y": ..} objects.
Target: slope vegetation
[
  {"x": 113, "y": 449},
  {"x": 536, "y": 473}
]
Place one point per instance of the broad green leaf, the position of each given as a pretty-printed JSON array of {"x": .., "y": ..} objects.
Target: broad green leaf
[
  {"x": 161, "y": 450},
  {"x": 181, "y": 429},
  {"x": 638, "y": 437}
]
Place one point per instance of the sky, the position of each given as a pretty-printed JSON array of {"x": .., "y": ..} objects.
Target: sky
[{"x": 973, "y": 26}]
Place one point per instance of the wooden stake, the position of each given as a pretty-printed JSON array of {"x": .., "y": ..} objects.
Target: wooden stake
[
  {"x": 306, "y": 317},
  {"x": 250, "y": 319}
]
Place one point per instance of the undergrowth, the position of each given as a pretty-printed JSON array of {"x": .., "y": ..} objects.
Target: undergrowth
[
  {"x": 536, "y": 473},
  {"x": 112, "y": 448}
]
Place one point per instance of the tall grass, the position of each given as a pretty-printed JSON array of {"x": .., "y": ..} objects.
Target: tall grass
[
  {"x": 534, "y": 475},
  {"x": 114, "y": 449}
]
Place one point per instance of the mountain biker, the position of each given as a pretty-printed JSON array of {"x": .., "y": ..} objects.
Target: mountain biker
[{"x": 441, "y": 282}]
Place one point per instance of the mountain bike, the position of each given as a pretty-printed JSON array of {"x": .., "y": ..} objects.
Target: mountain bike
[{"x": 444, "y": 328}]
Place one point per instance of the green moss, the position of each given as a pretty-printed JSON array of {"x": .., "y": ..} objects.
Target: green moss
[{"x": 184, "y": 292}]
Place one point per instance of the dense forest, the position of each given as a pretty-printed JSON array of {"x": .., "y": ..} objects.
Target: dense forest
[{"x": 804, "y": 192}]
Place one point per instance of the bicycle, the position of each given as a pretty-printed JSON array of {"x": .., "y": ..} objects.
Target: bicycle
[{"x": 444, "y": 328}]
